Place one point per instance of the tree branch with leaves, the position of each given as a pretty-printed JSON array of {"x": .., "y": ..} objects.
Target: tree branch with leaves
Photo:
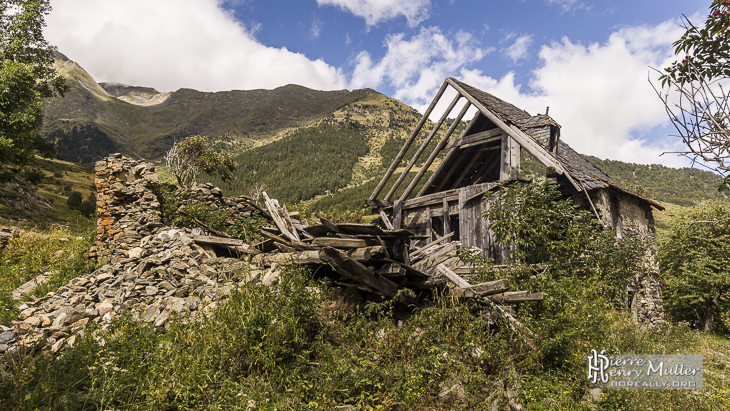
[
  {"x": 191, "y": 157},
  {"x": 695, "y": 90},
  {"x": 27, "y": 76}
]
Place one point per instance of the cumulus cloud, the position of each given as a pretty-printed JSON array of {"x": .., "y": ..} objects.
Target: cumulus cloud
[
  {"x": 599, "y": 93},
  {"x": 519, "y": 49},
  {"x": 375, "y": 11},
  {"x": 414, "y": 67},
  {"x": 169, "y": 44}
]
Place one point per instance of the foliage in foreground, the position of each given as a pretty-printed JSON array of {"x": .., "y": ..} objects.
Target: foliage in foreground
[
  {"x": 694, "y": 90},
  {"x": 289, "y": 347},
  {"x": 26, "y": 77},
  {"x": 293, "y": 347},
  {"x": 695, "y": 263}
]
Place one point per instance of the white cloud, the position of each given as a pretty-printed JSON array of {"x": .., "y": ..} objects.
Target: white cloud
[
  {"x": 601, "y": 95},
  {"x": 569, "y": 5},
  {"x": 519, "y": 49},
  {"x": 316, "y": 27},
  {"x": 375, "y": 11},
  {"x": 414, "y": 67},
  {"x": 598, "y": 92},
  {"x": 169, "y": 44}
]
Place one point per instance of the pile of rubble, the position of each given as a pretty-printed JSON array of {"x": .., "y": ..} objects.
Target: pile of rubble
[{"x": 156, "y": 272}]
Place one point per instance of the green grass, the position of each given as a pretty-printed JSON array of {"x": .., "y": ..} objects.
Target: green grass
[
  {"x": 44, "y": 205},
  {"x": 290, "y": 347},
  {"x": 33, "y": 253}
]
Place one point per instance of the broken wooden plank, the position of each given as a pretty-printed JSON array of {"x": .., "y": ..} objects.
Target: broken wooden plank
[
  {"x": 344, "y": 242},
  {"x": 356, "y": 271},
  {"x": 512, "y": 322},
  {"x": 302, "y": 257},
  {"x": 281, "y": 218},
  {"x": 516, "y": 297},
  {"x": 361, "y": 229},
  {"x": 284, "y": 248},
  {"x": 432, "y": 243},
  {"x": 231, "y": 244},
  {"x": 437, "y": 257},
  {"x": 332, "y": 227},
  {"x": 312, "y": 256},
  {"x": 483, "y": 289},
  {"x": 222, "y": 241},
  {"x": 452, "y": 276},
  {"x": 385, "y": 219},
  {"x": 391, "y": 270}
]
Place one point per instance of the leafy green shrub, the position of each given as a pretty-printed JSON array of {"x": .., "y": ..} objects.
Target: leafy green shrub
[
  {"x": 74, "y": 200},
  {"x": 191, "y": 157},
  {"x": 88, "y": 206},
  {"x": 695, "y": 263},
  {"x": 585, "y": 269}
]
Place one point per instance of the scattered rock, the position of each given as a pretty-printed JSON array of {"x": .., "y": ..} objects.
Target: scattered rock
[
  {"x": 454, "y": 394},
  {"x": 7, "y": 337}
]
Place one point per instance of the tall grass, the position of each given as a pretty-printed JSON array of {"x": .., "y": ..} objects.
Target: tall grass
[
  {"x": 292, "y": 347},
  {"x": 58, "y": 251}
]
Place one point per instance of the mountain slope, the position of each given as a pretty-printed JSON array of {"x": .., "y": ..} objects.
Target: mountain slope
[{"x": 144, "y": 123}]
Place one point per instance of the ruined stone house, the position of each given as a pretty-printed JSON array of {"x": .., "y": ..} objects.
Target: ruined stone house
[{"x": 485, "y": 156}]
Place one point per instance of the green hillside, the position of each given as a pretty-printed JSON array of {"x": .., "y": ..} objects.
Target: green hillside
[
  {"x": 44, "y": 205},
  {"x": 309, "y": 162},
  {"x": 683, "y": 186}
]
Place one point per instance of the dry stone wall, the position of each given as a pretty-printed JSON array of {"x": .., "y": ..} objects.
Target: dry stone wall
[
  {"x": 628, "y": 216},
  {"x": 127, "y": 207},
  {"x": 148, "y": 270}
]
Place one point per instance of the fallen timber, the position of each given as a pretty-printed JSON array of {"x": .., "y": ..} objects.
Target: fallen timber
[{"x": 372, "y": 259}]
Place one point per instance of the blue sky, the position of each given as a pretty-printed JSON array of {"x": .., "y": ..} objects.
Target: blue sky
[{"x": 588, "y": 60}]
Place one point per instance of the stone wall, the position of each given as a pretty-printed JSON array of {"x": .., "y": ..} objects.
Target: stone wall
[
  {"x": 630, "y": 216},
  {"x": 127, "y": 207},
  {"x": 150, "y": 271}
]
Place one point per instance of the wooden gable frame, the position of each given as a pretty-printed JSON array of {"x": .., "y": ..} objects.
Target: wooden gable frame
[
  {"x": 483, "y": 156},
  {"x": 508, "y": 136}
]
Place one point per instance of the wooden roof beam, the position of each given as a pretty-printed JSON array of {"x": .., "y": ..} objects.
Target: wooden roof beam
[
  {"x": 448, "y": 157},
  {"x": 523, "y": 139},
  {"x": 408, "y": 143},
  {"x": 440, "y": 146},
  {"x": 422, "y": 148}
]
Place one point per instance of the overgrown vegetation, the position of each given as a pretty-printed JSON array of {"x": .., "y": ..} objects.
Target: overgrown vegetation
[
  {"x": 289, "y": 347},
  {"x": 695, "y": 263},
  {"x": 59, "y": 252},
  {"x": 179, "y": 211}
]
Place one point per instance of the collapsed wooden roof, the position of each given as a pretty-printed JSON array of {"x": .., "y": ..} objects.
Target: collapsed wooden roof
[{"x": 474, "y": 157}]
